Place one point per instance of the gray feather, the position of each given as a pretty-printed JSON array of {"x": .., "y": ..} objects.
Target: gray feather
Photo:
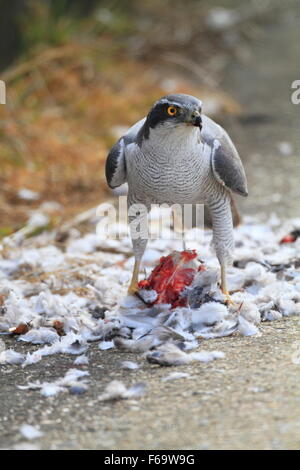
[
  {"x": 115, "y": 168},
  {"x": 226, "y": 164}
]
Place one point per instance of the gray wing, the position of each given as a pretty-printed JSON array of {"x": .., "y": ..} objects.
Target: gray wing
[
  {"x": 226, "y": 164},
  {"x": 115, "y": 168}
]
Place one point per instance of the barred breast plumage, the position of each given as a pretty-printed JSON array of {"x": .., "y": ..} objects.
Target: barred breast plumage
[{"x": 177, "y": 172}]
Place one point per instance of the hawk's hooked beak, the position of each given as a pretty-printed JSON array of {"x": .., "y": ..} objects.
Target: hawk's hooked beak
[{"x": 195, "y": 119}]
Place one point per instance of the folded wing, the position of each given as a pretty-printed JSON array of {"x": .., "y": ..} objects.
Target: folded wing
[
  {"x": 226, "y": 164},
  {"x": 115, "y": 169}
]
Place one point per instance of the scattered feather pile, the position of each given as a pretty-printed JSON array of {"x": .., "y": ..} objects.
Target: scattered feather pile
[{"x": 61, "y": 298}]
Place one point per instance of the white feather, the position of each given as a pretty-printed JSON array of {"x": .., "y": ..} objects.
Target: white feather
[{"x": 30, "y": 432}]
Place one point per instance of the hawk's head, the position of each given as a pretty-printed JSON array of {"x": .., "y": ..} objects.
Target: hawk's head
[{"x": 173, "y": 111}]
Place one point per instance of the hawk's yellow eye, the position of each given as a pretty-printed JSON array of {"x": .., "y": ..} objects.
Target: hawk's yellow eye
[{"x": 171, "y": 111}]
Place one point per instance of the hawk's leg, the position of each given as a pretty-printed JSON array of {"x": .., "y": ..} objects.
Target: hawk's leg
[
  {"x": 133, "y": 287},
  {"x": 223, "y": 236},
  {"x": 138, "y": 222},
  {"x": 224, "y": 284}
]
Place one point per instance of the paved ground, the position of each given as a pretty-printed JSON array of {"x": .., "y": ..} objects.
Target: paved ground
[{"x": 250, "y": 399}]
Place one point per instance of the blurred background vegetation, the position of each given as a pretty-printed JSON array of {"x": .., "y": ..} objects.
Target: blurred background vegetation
[{"x": 79, "y": 72}]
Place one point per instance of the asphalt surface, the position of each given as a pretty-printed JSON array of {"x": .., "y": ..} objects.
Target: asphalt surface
[{"x": 248, "y": 400}]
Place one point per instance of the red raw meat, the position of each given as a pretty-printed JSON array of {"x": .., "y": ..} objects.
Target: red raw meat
[
  {"x": 173, "y": 274},
  {"x": 291, "y": 237}
]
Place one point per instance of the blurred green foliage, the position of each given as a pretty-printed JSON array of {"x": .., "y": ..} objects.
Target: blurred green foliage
[{"x": 25, "y": 24}]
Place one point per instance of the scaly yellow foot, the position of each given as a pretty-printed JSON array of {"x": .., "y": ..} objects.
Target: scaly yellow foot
[
  {"x": 133, "y": 288},
  {"x": 228, "y": 299}
]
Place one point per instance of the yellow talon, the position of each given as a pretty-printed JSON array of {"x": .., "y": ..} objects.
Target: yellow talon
[
  {"x": 133, "y": 288},
  {"x": 228, "y": 299}
]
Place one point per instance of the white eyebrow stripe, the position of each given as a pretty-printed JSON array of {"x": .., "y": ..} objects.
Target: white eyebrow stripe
[
  {"x": 165, "y": 101},
  {"x": 171, "y": 102}
]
